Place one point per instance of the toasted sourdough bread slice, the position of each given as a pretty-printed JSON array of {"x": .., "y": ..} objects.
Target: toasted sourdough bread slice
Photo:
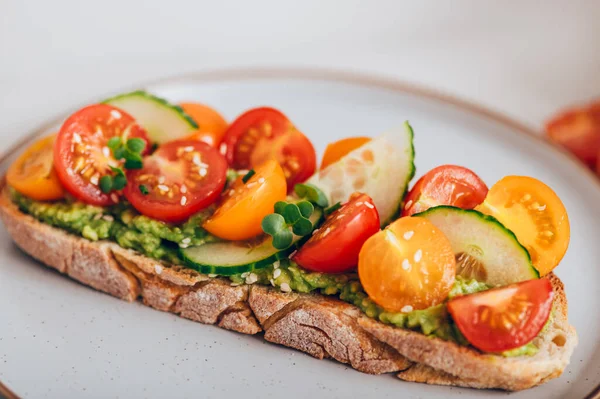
[{"x": 321, "y": 326}]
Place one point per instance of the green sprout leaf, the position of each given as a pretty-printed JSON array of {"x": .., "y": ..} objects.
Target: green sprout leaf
[
  {"x": 114, "y": 142},
  {"x": 117, "y": 171},
  {"x": 283, "y": 239},
  {"x": 302, "y": 227},
  {"x": 306, "y": 208},
  {"x": 332, "y": 208},
  {"x": 248, "y": 176},
  {"x": 133, "y": 164},
  {"x": 279, "y": 206},
  {"x": 119, "y": 182},
  {"x": 273, "y": 224},
  {"x": 291, "y": 213},
  {"x": 144, "y": 189},
  {"x": 136, "y": 145},
  {"x": 312, "y": 193},
  {"x": 106, "y": 184},
  {"x": 119, "y": 153}
]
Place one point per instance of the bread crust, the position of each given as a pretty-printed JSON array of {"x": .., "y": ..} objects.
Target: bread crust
[{"x": 321, "y": 326}]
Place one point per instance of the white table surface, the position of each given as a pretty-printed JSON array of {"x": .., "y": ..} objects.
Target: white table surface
[{"x": 525, "y": 58}]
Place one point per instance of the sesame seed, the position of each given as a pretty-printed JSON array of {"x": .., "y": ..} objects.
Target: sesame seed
[
  {"x": 188, "y": 148},
  {"x": 161, "y": 179},
  {"x": 418, "y": 255},
  {"x": 114, "y": 197},
  {"x": 76, "y": 138},
  {"x": 234, "y": 284},
  {"x": 196, "y": 159},
  {"x": 115, "y": 114},
  {"x": 261, "y": 180},
  {"x": 277, "y": 273},
  {"x": 250, "y": 185},
  {"x": 231, "y": 192},
  {"x": 243, "y": 172},
  {"x": 211, "y": 275},
  {"x": 183, "y": 189},
  {"x": 158, "y": 269},
  {"x": 285, "y": 287},
  {"x": 203, "y": 172},
  {"x": 369, "y": 205},
  {"x": 186, "y": 240},
  {"x": 106, "y": 151},
  {"x": 108, "y": 218},
  {"x": 251, "y": 279},
  {"x": 359, "y": 203},
  {"x": 223, "y": 148},
  {"x": 97, "y": 216},
  {"x": 315, "y": 231},
  {"x": 184, "y": 246},
  {"x": 245, "y": 274},
  {"x": 272, "y": 282},
  {"x": 408, "y": 235},
  {"x": 183, "y": 200},
  {"x": 339, "y": 216},
  {"x": 276, "y": 264},
  {"x": 406, "y": 309},
  {"x": 94, "y": 179},
  {"x": 542, "y": 208},
  {"x": 327, "y": 230},
  {"x": 406, "y": 264},
  {"x": 293, "y": 253},
  {"x": 162, "y": 187},
  {"x": 408, "y": 204},
  {"x": 70, "y": 171}
]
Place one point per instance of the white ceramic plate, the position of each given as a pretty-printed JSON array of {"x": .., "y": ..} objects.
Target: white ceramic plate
[{"x": 60, "y": 339}]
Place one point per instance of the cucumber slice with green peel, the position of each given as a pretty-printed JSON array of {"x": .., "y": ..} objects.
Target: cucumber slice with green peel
[
  {"x": 234, "y": 257},
  {"x": 163, "y": 121},
  {"x": 485, "y": 250},
  {"x": 382, "y": 169}
]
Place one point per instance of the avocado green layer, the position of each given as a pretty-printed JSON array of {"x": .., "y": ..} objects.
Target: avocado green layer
[{"x": 158, "y": 240}]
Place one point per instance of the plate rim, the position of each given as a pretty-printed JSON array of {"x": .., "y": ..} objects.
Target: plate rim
[{"x": 367, "y": 79}]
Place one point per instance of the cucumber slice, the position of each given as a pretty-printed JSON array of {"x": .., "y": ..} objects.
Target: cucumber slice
[
  {"x": 163, "y": 121},
  {"x": 485, "y": 250},
  {"x": 382, "y": 169},
  {"x": 234, "y": 257}
]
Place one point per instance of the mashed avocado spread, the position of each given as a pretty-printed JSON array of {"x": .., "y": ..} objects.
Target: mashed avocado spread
[{"x": 158, "y": 240}]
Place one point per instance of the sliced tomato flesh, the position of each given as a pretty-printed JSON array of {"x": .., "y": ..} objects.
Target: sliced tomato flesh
[
  {"x": 503, "y": 318},
  {"x": 407, "y": 266},
  {"x": 445, "y": 185},
  {"x": 265, "y": 133},
  {"x": 179, "y": 179},
  {"x": 81, "y": 154},
  {"x": 334, "y": 248}
]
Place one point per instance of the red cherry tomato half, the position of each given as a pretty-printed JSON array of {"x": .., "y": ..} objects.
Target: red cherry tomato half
[
  {"x": 334, "y": 248},
  {"x": 445, "y": 185},
  {"x": 177, "y": 180},
  {"x": 81, "y": 156},
  {"x": 265, "y": 133},
  {"x": 578, "y": 130},
  {"x": 503, "y": 318}
]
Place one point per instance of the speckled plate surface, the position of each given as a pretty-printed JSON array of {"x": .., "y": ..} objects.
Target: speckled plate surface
[{"x": 59, "y": 339}]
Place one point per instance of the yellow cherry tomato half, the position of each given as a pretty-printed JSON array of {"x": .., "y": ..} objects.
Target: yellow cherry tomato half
[
  {"x": 244, "y": 205},
  {"x": 211, "y": 124},
  {"x": 535, "y": 214},
  {"x": 410, "y": 265},
  {"x": 33, "y": 174},
  {"x": 335, "y": 151}
]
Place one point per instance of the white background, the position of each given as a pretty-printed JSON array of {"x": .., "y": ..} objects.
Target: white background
[{"x": 524, "y": 58}]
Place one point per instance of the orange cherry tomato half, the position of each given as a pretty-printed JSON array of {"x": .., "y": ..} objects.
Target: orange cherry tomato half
[
  {"x": 578, "y": 130},
  {"x": 337, "y": 150},
  {"x": 335, "y": 246},
  {"x": 211, "y": 124},
  {"x": 33, "y": 173},
  {"x": 409, "y": 265},
  {"x": 265, "y": 133},
  {"x": 445, "y": 185},
  {"x": 503, "y": 318},
  {"x": 535, "y": 214},
  {"x": 81, "y": 155},
  {"x": 179, "y": 179},
  {"x": 244, "y": 205}
]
